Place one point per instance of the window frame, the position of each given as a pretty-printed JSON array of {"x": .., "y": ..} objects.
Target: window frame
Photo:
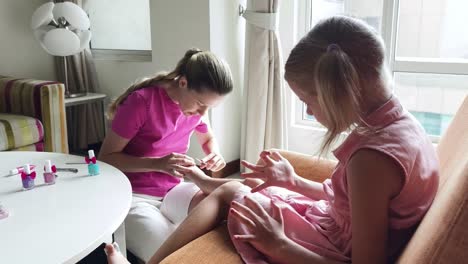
[
  {"x": 131, "y": 55},
  {"x": 389, "y": 32}
]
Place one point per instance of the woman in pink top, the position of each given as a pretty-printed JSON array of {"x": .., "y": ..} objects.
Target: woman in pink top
[
  {"x": 151, "y": 127},
  {"x": 383, "y": 184}
]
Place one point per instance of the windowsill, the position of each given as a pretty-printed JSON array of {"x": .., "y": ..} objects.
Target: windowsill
[{"x": 122, "y": 55}]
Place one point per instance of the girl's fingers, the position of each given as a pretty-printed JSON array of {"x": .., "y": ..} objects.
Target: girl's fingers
[
  {"x": 276, "y": 156},
  {"x": 256, "y": 208},
  {"x": 245, "y": 238},
  {"x": 269, "y": 160},
  {"x": 260, "y": 187},
  {"x": 244, "y": 220},
  {"x": 251, "y": 166},
  {"x": 255, "y": 175},
  {"x": 277, "y": 213},
  {"x": 246, "y": 211}
]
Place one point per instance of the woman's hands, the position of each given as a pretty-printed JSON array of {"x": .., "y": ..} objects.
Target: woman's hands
[
  {"x": 213, "y": 161},
  {"x": 277, "y": 171},
  {"x": 266, "y": 233},
  {"x": 171, "y": 163}
]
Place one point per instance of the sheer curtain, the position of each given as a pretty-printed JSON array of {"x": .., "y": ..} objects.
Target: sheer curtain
[
  {"x": 264, "y": 109},
  {"x": 84, "y": 122}
]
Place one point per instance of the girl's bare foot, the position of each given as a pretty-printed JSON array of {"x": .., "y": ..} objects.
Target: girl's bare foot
[{"x": 114, "y": 256}]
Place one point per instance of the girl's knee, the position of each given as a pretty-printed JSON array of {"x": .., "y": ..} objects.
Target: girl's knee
[
  {"x": 196, "y": 199},
  {"x": 227, "y": 190}
]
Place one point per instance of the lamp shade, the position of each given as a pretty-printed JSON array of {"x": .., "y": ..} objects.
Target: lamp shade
[
  {"x": 73, "y": 14},
  {"x": 42, "y": 16},
  {"x": 62, "y": 29},
  {"x": 61, "y": 42}
]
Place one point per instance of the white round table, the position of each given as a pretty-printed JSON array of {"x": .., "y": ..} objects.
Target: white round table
[{"x": 59, "y": 223}]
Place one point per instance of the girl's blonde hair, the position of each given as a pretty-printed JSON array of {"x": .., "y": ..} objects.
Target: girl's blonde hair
[
  {"x": 203, "y": 70},
  {"x": 337, "y": 60}
]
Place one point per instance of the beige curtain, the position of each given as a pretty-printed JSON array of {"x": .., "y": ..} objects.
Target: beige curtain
[
  {"x": 84, "y": 122},
  {"x": 264, "y": 110}
]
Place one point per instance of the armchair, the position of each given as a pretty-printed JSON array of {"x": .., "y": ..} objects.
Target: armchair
[
  {"x": 32, "y": 115},
  {"x": 440, "y": 238}
]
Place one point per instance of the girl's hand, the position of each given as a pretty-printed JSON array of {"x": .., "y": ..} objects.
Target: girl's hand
[
  {"x": 171, "y": 163},
  {"x": 277, "y": 171},
  {"x": 266, "y": 233},
  {"x": 213, "y": 161}
]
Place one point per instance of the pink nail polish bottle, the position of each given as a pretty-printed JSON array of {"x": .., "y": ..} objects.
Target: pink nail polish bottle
[
  {"x": 49, "y": 173},
  {"x": 27, "y": 177}
]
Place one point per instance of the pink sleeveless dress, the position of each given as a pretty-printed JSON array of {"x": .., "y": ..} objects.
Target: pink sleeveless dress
[{"x": 324, "y": 226}]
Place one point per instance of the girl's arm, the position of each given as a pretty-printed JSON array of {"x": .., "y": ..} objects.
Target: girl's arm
[
  {"x": 111, "y": 152},
  {"x": 308, "y": 188},
  {"x": 373, "y": 180}
]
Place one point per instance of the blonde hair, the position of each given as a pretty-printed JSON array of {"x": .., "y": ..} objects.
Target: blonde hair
[
  {"x": 202, "y": 69},
  {"x": 338, "y": 59}
]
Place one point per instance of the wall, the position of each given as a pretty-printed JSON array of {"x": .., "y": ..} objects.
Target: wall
[
  {"x": 177, "y": 25},
  {"x": 227, "y": 39},
  {"x": 20, "y": 54}
]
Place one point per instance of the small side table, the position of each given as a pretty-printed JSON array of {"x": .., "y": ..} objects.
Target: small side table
[{"x": 89, "y": 98}]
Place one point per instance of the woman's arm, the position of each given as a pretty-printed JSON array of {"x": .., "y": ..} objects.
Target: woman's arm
[
  {"x": 111, "y": 152},
  {"x": 214, "y": 161}
]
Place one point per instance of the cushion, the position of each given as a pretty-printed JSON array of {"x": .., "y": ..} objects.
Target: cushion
[{"x": 17, "y": 131}]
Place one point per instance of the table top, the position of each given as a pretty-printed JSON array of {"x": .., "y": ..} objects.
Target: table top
[
  {"x": 64, "y": 222},
  {"x": 88, "y": 98}
]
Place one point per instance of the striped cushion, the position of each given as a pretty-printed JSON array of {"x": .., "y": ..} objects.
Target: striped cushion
[
  {"x": 17, "y": 131},
  {"x": 39, "y": 146},
  {"x": 43, "y": 100}
]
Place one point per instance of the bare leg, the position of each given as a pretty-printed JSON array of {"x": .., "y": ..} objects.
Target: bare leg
[
  {"x": 114, "y": 256},
  {"x": 201, "y": 220}
]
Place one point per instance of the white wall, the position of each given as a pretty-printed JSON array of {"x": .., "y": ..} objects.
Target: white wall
[
  {"x": 177, "y": 25},
  {"x": 227, "y": 39},
  {"x": 20, "y": 54}
]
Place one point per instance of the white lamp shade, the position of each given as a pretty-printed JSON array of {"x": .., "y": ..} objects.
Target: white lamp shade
[
  {"x": 61, "y": 42},
  {"x": 42, "y": 16},
  {"x": 73, "y": 14},
  {"x": 40, "y": 33},
  {"x": 85, "y": 37}
]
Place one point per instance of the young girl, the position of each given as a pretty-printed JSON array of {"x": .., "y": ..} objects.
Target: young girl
[
  {"x": 151, "y": 127},
  {"x": 383, "y": 184}
]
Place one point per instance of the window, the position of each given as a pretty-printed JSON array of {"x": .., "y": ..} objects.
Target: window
[
  {"x": 427, "y": 45},
  {"x": 121, "y": 29}
]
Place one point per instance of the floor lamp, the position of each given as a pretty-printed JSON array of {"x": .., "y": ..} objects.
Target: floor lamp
[{"x": 62, "y": 29}]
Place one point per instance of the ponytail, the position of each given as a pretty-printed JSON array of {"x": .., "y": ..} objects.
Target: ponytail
[
  {"x": 179, "y": 70},
  {"x": 338, "y": 92}
]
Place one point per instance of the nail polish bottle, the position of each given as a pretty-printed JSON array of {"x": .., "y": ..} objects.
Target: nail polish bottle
[
  {"x": 27, "y": 177},
  {"x": 3, "y": 212},
  {"x": 93, "y": 167},
  {"x": 49, "y": 173}
]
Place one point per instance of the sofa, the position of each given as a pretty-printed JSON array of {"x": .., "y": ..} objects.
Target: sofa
[
  {"x": 32, "y": 115},
  {"x": 441, "y": 237}
]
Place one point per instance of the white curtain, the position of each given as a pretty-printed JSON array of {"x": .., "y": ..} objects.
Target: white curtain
[{"x": 264, "y": 115}]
